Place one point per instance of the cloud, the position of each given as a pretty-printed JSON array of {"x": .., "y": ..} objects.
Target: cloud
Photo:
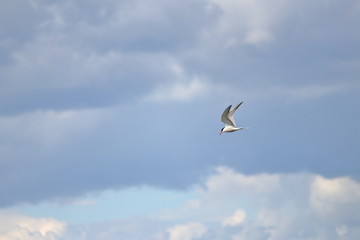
[
  {"x": 315, "y": 91},
  {"x": 222, "y": 184},
  {"x": 247, "y": 22},
  {"x": 282, "y": 205},
  {"x": 179, "y": 91},
  {"x": 257, "y": 44},
  {"x": 100, "y": 54},
  {"x": 47, "y": 74},
  {"x": 303, "y": 92},
  {"x": 232, "y": 205},
  {"x": 14, "y": 227},
  {"x": 48, "y": 128},
  {"x": 236, "y": 219},
  {"x": 187, "y": 231},
  {"x": 95, "y": 148},
  {"x": 335, "y": 198},
  {"x": 276, "y": 206},
  {"x": 181, "y": 87},
  {"x": 91, "y": 92},
  {"x": 88, "y": 54},
  {"x": 34, "y": 140}
]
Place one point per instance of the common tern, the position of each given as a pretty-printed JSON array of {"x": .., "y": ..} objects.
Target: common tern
[{"x": 228, "y": 118}]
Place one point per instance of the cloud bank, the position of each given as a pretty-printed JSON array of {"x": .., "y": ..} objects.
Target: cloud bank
[{"x": 230, "y": 205}]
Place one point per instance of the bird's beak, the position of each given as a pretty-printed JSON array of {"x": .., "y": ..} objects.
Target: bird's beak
[{"x": 220, "y": 133}]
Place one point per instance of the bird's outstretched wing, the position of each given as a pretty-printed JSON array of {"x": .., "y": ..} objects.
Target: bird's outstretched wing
[
  {"x": 224, "y": 117},
  {"x": 231, "y": 114},
  {"x": 228, "y": 116}
]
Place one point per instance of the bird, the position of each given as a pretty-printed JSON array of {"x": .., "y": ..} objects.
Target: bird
[{"x": 228, "y": 118}]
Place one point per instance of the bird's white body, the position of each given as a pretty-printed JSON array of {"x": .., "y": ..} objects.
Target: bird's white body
[
  {"x": 231, "y": 129},
  {"x": 228, "y": 118}
]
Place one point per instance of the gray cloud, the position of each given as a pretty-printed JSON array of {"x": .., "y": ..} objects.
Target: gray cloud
[
  {"x": 276, "y": 207},
  {"x": 84, "y": 51},
  {"x": 98, "y": 95}
]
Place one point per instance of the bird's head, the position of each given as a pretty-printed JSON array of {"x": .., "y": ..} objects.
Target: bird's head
[{"x": 221, "y": 131}]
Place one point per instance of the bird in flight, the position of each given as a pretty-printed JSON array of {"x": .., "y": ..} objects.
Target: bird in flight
[{"x": 228, "y": 118}]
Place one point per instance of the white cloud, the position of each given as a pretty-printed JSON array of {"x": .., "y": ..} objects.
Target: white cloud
[
  {"x": 179, "y": 91},
  {"x": 236, "y": 219},
  {"x": 231, "y": 205},
  {"x": 335, "y": 198},
  {"x": 14, "y": 227},
  {"x": 182, "y": 87},
  {"x": 276, "y": 206},
  {"x": 229, "y": 182},
  {"x": 187, "y": 231}
]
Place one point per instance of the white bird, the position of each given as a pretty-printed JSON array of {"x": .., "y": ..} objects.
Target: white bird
[{"x": 228, "y": 118}]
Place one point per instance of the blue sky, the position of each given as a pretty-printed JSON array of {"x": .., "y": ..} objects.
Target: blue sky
[{"x": 110, "y": 115}]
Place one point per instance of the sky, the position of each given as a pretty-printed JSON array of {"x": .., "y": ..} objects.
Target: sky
[{"x": 110, "y": 119}]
